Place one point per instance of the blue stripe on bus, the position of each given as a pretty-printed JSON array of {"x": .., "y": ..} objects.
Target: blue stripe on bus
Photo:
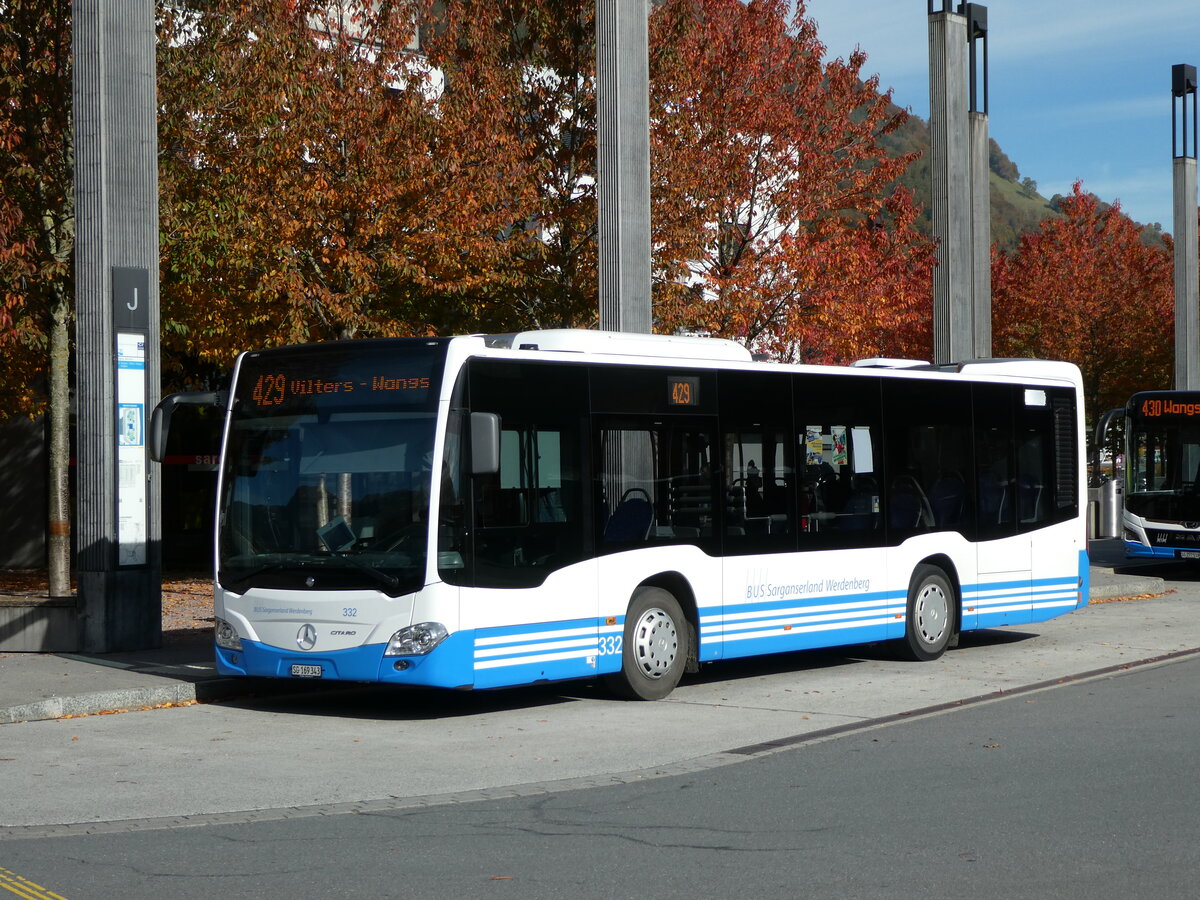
[
  {"x": 1136, "y": 548},
  {"x": 1062, "y": 580},
  {"x": 547, "y": 651},
  {"x": 748, "y": 629},
  {"x": 516, "y": 632}
]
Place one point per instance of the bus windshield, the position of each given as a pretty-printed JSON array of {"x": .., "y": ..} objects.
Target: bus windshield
[
  {"x": 327, "y": 469},
  {"x": 1163, "y": 458},
  {"x": 1162, "y": 479}
]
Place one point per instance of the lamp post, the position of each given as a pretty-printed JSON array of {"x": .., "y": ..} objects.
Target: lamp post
[
  {"x": 981, "y": 195},
  {"x": 1183, "y": 149}
]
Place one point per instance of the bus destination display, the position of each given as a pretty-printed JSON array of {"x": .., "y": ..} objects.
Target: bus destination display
[
  {"x": 683, "y": 390},
  {"x": 1158, "y": 407},
  {"x": 279, "y": 388}
]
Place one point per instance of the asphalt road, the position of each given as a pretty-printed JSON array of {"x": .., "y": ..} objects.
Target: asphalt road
[
  {"x": 1083, "y": 790},
  {"x": 1005, "y": 768}
]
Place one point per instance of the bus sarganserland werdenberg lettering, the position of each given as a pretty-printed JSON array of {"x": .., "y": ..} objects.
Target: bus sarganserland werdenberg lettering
[
  {"x": 487, "y": 511},
  {"x": 1161, "y": 513}
]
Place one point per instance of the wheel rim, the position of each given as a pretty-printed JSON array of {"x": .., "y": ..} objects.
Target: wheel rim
[
  {"x": 655, "y": 643},
  {"x": 932, "y": 613}
]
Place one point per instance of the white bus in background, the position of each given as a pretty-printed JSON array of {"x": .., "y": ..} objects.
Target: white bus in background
[
  {"x": 1160, "y": 515},
  {"x": 487, "y": 511}
]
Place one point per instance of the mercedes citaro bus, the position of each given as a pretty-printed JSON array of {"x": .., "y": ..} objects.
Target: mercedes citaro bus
[{"x": 486, "y": 511}]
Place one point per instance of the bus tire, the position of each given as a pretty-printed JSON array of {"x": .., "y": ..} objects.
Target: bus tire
[
  {"x": 655, "y": 647},
  {"x": 929, "y": 624}
]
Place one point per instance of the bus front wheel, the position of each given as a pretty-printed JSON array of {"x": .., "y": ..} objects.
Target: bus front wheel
[
  {"x": 654, "y": 650},
  {"x": 929, "y": 623}
]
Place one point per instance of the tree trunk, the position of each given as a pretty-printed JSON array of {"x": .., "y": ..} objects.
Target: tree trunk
[{"x": 58, "y": 542}]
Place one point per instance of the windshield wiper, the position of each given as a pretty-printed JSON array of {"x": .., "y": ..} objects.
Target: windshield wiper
[
  {"x": 338, "y": 537},
  {"x": 390, "y": 581}
]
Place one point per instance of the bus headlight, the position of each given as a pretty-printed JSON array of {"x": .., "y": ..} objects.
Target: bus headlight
[
  {"x": 416, "y": 640},
  {"x": 226, "y": 637}
]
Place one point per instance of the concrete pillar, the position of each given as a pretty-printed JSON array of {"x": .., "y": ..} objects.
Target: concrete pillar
[
  {"x": 623, "y": 164},
  {"x": 981, "y": 194},
  {"x": 1187, "y": 299},
  {"x": 981, "y": 239},
  {"x": 953, "y": 328},
  {"x": 117, "y": 360}
]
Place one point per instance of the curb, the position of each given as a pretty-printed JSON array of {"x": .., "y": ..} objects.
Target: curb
[
  {"x": 1127, "y": 586},
  {"x": 129, "y": 699}
]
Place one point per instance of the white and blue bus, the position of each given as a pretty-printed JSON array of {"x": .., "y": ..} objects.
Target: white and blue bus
[
  {"x": 487, "y": 511},
  {"x": 1161, "y": 510}
]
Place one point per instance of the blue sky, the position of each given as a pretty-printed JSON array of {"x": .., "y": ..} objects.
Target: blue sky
[{"x": 1079, "y": 89}]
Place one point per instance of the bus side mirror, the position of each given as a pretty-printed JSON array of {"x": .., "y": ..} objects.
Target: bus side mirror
[
  {"x": 485, "y": 443},
  {"x": 1101, "y": 434},
  {"x": 160, "y": 419}
]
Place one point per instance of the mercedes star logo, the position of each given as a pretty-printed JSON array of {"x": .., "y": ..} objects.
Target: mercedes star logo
[{"x": 306, "y": 637}]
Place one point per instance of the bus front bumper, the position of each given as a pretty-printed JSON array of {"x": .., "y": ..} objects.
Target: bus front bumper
[{"x": 449, "y": 665}]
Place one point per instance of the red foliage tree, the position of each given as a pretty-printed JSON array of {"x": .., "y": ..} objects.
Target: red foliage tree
[
  {"x": 775, "y": 224},
  {"x": 1086, "y": 289}
]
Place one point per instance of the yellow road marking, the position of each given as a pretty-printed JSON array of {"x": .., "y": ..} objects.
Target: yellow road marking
[{"x": 23, "y": 887}]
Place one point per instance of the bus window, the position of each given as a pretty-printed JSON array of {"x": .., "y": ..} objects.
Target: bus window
[
  {"x": 928, "y": 457},
  {"x": 995, "y": 467},
  {"x": 656, "y": 483},
  {"x": 529, "y": 518},
  {"x": 759, "y": 500},
  {"x": 838, "y": 441},
  {"x": 1046, "y": 465},
  {"x": 758, "y": 462}
]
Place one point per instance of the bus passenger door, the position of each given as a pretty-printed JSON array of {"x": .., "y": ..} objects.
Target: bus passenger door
[{"x": 1001, "y": 594}]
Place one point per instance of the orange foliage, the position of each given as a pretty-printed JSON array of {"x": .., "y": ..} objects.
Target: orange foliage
[
  {"x": 774, "y": 221},
  {"x": 321, "y": 180}
]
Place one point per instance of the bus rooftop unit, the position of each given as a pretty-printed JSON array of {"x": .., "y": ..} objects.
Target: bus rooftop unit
[{"x": 487, "y": 511}]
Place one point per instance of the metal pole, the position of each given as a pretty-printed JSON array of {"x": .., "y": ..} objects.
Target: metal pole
[
  {"x": 1187, "y": 299},
  {"x": 981, "y": 194}
]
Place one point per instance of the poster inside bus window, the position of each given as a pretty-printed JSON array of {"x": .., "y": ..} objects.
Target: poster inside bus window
[{"x": 814, "y": 445}]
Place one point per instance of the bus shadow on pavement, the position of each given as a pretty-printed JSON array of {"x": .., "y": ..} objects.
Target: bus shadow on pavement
[{"x": 349, "y": 700}]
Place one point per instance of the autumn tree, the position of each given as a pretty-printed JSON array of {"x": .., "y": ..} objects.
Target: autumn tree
[
  {"x": 37, "y": 240},
  {"x": 1085, "y": 288},
  {"x": 546, "y": 52},
  {"x": 320, "y": 177},
  {"x": 774, "y": 222}
]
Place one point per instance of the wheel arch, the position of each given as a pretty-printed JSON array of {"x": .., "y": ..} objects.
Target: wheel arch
[{"x": 681, "y": 589}]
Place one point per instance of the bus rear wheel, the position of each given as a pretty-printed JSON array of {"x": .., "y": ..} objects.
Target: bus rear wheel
[
  {"x": 655, "y": 647},
  {"x": 929, "y": 624}
]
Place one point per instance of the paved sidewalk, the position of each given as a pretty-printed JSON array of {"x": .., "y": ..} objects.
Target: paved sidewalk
[{"x": 37, "y": 686}]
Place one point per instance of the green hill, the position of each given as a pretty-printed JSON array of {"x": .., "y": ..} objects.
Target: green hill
[{"x": 1017, "y": 207}]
